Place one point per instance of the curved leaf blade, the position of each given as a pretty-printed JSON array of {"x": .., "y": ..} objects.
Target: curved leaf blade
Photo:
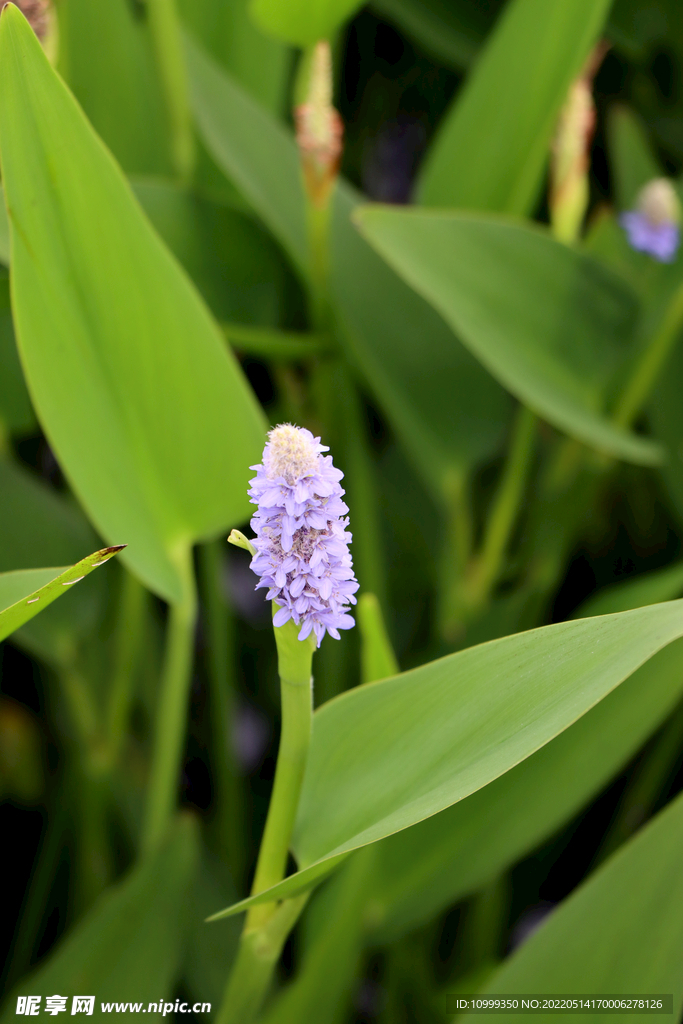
[
  {"x": 548, "y": 322},
  {"x": 149, "y": 414},
  {"x": 25, "y": 593},
  {"x": 491, "y": 150},
  {"x": 388, "y": 755}
]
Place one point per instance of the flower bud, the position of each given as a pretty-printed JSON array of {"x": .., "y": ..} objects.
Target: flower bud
[
  {"x": 569, "y": 189},
  {"x": 319, "y": 129},
  {"x": 653, "y": 227}
]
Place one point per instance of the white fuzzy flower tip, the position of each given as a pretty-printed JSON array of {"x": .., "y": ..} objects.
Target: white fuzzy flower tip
[{"x": 302, "y": 545}]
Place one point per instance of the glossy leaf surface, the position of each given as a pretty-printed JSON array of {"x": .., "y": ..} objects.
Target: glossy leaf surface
[
  {"x": 491, "y": 149},
  {"x": 388, "y": 755},
  {"x": 550, "y": 324},
  {"x": 25, "y": 593},
  {"x": 148, "y": 413},
  {"x": 619, "y": 932},
  {"x": 128, "y": 946}
]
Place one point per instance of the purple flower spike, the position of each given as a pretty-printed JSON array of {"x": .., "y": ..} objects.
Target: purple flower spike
[
  {"x": 302, "y": 546},
  {"x": 653, "y": 226}
]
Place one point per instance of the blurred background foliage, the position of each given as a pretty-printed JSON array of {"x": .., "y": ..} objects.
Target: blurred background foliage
[{"x": 410, "y": 450}]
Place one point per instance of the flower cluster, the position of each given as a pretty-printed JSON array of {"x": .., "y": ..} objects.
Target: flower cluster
[
  {"x": 301, "y": 542},
  {"x": 653, "y": 226}
]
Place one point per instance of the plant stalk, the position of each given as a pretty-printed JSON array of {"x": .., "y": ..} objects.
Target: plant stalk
[
  {"x": 172, "y": 709},
  {"x": 650, "y": 364},
  {"x": 165, "y": 28},
  {"x": 220, "y": 636},
  {"x": 268, "y": 924}
]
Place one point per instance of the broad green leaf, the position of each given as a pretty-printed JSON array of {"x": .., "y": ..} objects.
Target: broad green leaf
[
  {"x": 548, "y": 322},
  {"x": 25, "y": 593},
  {"x": 421, "y": 871},
  {"x": 321, "y": 990},
  {"x": 426, "y": 868},
  {"x": 129, "y": 945},
  {"x": 452, "y": 30},
  {"x": 230, "y": 258},
  {"x": 106, "y": 57},
  {"x": 261, "y": 64},
  {"x": 632, "y": 160},
  {"x": 16, "y": 412},
  {"x": 147, "y": 411},
  {"x": 302, "y": 22},
  {"x": 619, "y": 932},
  {"x": 389, "y": 754},
  {"x": 447, "y": 411},
  {"x": 646, "y": 588},
  {"x": 491, "y": 150}
]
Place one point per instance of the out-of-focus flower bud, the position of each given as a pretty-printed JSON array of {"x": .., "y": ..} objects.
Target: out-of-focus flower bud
[
  {"x": 319, "y": 129},
  {"x": 569, "y": 190},
  {"x": 41, "y": 16},
  {"x": 653, "y": 227}
]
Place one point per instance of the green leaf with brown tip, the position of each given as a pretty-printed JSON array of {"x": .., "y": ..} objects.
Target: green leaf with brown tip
[{"x": 26, "y": 592}]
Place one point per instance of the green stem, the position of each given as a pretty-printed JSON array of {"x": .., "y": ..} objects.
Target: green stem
[
  {"x": 172, "y": 710},
  {"x": 221, "y": 641},
  {"x": 318, "y": 224},
  {"x": 456, "y": 553},
  {"x": 505, "y": 510},
  {"x": 129, "y": 640},
  {"x": 267, "y": 925},
  {"x": 294, "y": 665},
  {"x": 258, "y": 953},
  {"x": 165, "y": 28},
  {"x": 651, "y": 363}
]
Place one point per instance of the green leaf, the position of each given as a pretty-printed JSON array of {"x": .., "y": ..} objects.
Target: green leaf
[
  {"x": 252, "y": 148},
  {"x": 27, "y": 592},
  {"x": 646, "y": 588},
  {"x": 447, "y": 411},
  {"x": 147, "y": 411},
  {"x": 40, "y": 527},
  {"x": 632, "y": 160},
  {"x": 230, "y": 258},
  {"x": 261, "y": 64},
  {"x": 619, "y": 932},
  {"x": 302, "y": 22},
  {"x": 548, "y": 322},
  {"x": 107, "y": 58},
  {"x": 421, "y": 871},
  {"x": 425, "y": 869},
  {"x": 128, "y": 947},
  {"x": 388, "y": 755},
  {"x": 490, "y": 151}
]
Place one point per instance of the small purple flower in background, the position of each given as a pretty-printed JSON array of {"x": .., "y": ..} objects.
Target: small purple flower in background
[
  {"x": 302, "y": 552},
  {"x": 653, "y": 226}
]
